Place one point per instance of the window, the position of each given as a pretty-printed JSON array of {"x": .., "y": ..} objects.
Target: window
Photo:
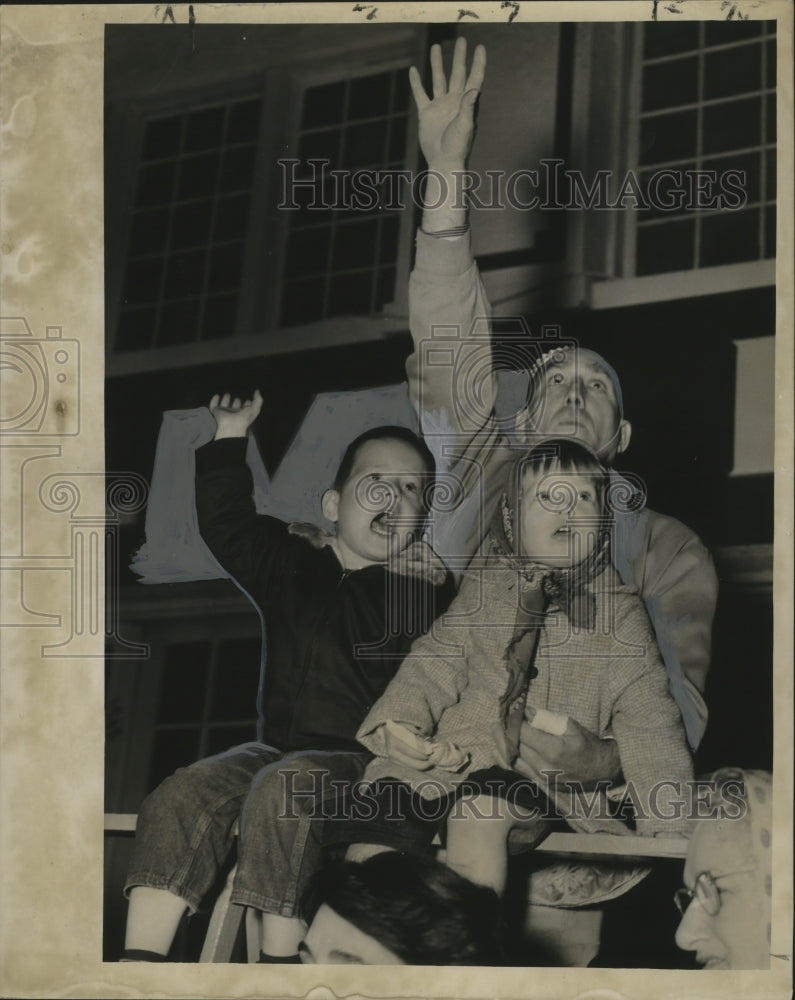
[
  {"x": 708, "y": 103},
  {"x": 206, "y": 701},
  {"x": 203, "y": 258},
  {"x": 188, "y": 227},
  {"x": 343, "y": 259}
]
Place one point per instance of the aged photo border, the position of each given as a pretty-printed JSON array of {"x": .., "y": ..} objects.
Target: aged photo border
[{"x": 51, "y": 708}]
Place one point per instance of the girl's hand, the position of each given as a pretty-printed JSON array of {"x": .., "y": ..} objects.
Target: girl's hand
[
  {"x": 406, "y": 748},
  {"x": 232, "y": 416},
  {"x": 576, "y": 755}
]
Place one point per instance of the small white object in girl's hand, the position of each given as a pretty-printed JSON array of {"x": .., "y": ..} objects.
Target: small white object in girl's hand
[{"x": 549, "y": 722}]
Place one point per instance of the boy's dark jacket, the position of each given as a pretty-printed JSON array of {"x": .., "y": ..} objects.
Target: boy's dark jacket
[{"x": 332, "y": 646}]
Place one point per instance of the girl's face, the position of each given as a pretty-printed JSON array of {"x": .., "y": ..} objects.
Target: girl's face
[{"x": 560, "y": 515}]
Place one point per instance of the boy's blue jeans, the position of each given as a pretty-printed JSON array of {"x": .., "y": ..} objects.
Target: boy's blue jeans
[{"x": 185, "y": 827}]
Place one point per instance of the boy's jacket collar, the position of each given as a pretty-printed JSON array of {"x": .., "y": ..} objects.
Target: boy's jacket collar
[{"x": 417, "y": 560}]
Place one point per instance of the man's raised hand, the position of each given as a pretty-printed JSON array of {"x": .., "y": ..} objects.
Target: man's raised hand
[
  {"x": 446, "y": 123},
  {"x": 232, "y": 416}
]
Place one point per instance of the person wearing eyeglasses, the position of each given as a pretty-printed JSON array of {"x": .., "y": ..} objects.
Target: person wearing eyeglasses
[{"x": 725, "y": 901}]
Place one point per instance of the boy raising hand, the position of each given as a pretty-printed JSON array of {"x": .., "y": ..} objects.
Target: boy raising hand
[{"x": 340, "y": 613}]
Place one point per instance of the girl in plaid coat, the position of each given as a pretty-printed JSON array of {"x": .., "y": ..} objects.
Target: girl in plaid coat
[{"x": 542, "y": 628}]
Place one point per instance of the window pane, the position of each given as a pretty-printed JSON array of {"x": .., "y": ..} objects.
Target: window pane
[
  {"x": 323, "y": 145},
  {"x": 172, "y": 748},
  {"x": 354, "y": 245},
  {"x": 231, "y": 217},
  {"x": 664, "y": 38},
  {"x": 226, "y": 267},
  {"x": 302, "y": 301},
  {"x": 364, "y": 145},
  {"x": 197, "y": 176},
  {"x": 238, "y": 168},
  {"x": 369, "y": 96},
  {"x": 307, "y": 251},
  {"x": 236, "y": 679},
  {"x": 717, "y": 65},
  {"x": 199, "y": 198},
  {"x": 179, "y": 322},
  {"x": 220, "y": 315},
  {"x": 665, "y": 247},
  {"x": 770, "y": 231},
  {"x": 724, "y": 32},
  {"x": 397, "y": 139},
  {"x": 770, "y": 118},
  {"x": 155, "y": 184},
  {"x": 220, "y": 738},
  {"x": 770, "y": 174},
  {"x": 770, "y": 63},
  {"x": 365, "y": 123},
  {"x": 666, "y": 192},
  {"x": 314, "y": 201},
  {"x": 390, "y": 234},
  {"x": 203, "y": 129},
  {"x": 243, "y": 123},
  {"x": 185, "y": 274},
  {"x": 350, "y": 293},
  {"x": 400, "y": 91},
  {"x": 142, "y": 281},
  {"x": 668, "y": 137},
  {"x": 162, "y": 138},
  {"x": 750, "y": 163},
  {"x": 136, "y": 329},
  {"x": 732, "y": 71},
  {"x": 192, "y": 224},
  {"x": 149, "y": 231},
  {"x": 730, "y": 237},
  {"x": 669, "y": 83},
  {"x": 184, "y": 680},
  {"x": 385, "y": 287},
  {"x": 323, "y": 105},
  {"x": 733, "y": 125}
]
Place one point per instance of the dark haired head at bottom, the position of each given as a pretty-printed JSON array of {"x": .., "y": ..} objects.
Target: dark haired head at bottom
[{"x": 416, "y": 907}]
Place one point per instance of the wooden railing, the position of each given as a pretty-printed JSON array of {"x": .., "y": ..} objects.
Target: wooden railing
[{"x": 590, "y": 845}]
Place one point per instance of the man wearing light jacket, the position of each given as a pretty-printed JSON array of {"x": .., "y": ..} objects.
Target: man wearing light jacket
[{"x": 572, "y": 392}]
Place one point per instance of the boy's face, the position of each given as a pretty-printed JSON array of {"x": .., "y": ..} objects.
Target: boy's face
[
  {"x": 559, "y": 515},
  {"x": 380, "y": 509}
]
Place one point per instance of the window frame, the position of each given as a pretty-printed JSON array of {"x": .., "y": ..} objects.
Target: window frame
[
  {"x": 134, "y": 114},
  {"x": 607, "y": 83},
  {"x": 205, "y": 614},
  {"x": 257, "y": 331}
]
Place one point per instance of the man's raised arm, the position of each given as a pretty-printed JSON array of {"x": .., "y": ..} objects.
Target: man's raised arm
[
  {"x": 449, "y": 313},
  {"x": 446, "y": 296}
]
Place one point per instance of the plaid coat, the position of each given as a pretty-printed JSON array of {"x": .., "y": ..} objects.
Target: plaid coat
[{"x": 610, "y": 679}]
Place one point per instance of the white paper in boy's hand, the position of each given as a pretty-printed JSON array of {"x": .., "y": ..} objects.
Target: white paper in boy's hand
[
  {"x": 441, "y": 753},
  {"x": 548, "y": 722}
]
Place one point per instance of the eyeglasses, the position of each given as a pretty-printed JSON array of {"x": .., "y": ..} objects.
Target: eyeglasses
[{"x": 706, "y": 891}]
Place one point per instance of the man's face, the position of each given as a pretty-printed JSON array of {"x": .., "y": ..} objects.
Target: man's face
[
  {"x": 575, "y": 397},
  {"x": 331, "y": 940},
  {"x": 559, "y": 515},
  {"x": 380, "y": 509},
  {"x": 736, "y": 938}
]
